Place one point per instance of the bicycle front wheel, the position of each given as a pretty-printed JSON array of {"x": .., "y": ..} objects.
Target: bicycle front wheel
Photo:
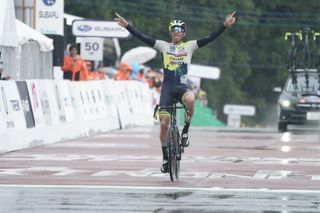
[
  {"x": 172, "y": 154},
  {"x": 176, "y": 142}
]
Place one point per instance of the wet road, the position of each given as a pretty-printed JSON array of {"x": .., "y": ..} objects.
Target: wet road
[
  {"x": 222, "y": 171},
  {"x": 122, "y": 199}
]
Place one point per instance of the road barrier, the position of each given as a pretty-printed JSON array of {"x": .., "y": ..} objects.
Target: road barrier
[{"x": 38, "y": 112}]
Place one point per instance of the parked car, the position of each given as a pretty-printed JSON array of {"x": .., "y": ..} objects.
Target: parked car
[{"x": 299, "y": 101}]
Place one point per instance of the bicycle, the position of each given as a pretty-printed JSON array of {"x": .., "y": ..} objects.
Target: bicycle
[
  {"x": 292, "y": 53},
  {"x": 174, "y": 148},
  {"x": 293, "y": 49},
  {"x": 309, "y": 65}
]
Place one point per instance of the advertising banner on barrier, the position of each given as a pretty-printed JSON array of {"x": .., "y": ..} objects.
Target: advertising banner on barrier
[
  {"x": 102, "y": 101},
  {"x": 109, "y": 97},
  {"x": 64, "y": 101},
  {"x": 82, "y": 101},
  {"x": 2, "y": 120},
  {"x": 97, "y": 93},
  {"x": 79, "y": 99},
  {"x": 49, "y": 102},
  {"x": 13, "y": 115},
  {"x": 123, "y": 105},
  {"x": 36, "y": 103},
  {"x": 146, "y": 98},
  {"x": 88, "y": 100},
  {"x": 133, "y": 99},
  {"x": 142, "y": 112},
  {"x": 26, "y": 103}
]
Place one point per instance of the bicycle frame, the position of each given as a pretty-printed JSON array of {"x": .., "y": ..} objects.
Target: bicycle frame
[
  {"x": 173, "y": 140},
  {"x": 293, "y": 49}
]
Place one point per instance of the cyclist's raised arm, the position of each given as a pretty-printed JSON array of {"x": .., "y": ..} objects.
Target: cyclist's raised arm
[
  {"x": 141, "y": 36},
  {"x": 229, "y": 21}
]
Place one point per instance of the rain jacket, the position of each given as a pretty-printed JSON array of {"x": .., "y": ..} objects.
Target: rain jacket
[{"x": 74, "y": 70}]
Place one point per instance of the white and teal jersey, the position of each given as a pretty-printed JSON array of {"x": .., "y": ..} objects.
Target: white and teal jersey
[{"x": 176, "y": 59}]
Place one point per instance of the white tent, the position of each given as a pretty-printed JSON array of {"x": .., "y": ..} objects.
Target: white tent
[
  {"x": 34, "y": 54},
  {"x": 26, "y": 34},
  {"x": 8, "y": 34},
  {"x": 25, "y": 53},
  {"x": 8, "y": 37}
]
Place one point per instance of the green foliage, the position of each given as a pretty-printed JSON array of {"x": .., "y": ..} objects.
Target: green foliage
[{"x": 252, "y": 55}]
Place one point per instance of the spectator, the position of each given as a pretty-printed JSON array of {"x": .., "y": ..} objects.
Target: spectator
[
  {"x": 101, "y": 73},
  {"x": 137, "y": 72},
  {"x": 84, "y": 73},
  {"x": 74, "y": 67},
  {"x": 202, "y": 96},
  {"x": 124, "y": 72},
  {"x": 154, "y": 79},
  {"x": 91, "y": 73},
  {"x": 98, "y": 74}
]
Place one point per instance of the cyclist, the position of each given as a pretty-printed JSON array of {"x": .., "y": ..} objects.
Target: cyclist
[{"x": 176, "y": 58}]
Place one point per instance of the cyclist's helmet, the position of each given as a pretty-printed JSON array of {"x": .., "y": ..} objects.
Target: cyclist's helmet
[{"x": 177, "y": 23}]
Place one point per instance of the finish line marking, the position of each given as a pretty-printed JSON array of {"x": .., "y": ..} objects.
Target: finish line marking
[{"x": 142, "y": 188}]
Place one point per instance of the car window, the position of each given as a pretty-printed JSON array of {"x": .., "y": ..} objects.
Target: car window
[{"x": 301, "y": 84}]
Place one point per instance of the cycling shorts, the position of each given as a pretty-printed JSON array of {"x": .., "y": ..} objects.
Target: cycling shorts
[{"x": 169, "y": 94}]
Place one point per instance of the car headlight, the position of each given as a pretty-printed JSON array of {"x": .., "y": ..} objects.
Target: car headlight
[{"x": 285, "y": 103}]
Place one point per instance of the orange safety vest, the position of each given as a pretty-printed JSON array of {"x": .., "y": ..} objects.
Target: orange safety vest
[{"x": 75, "y": 66}]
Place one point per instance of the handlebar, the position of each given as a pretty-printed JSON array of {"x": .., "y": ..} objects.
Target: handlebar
[
  {"x": 315, "y": 34},
  {"x": 298, "y": 34},
  {"x": 158, "y": 107}
]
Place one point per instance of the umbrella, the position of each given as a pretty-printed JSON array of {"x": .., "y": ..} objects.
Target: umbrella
[{"x": 138, "y": 55}]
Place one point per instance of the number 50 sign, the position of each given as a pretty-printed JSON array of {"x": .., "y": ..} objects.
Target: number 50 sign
[{"x": 91, "y": 48}]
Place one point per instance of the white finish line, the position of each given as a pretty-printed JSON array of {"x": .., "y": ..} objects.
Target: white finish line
[
  {"x": 189, "y": 159},
  {"x": 154, "y": 172}
]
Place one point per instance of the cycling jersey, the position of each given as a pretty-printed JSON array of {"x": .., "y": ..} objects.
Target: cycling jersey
[{"x": 176, "y": 59}]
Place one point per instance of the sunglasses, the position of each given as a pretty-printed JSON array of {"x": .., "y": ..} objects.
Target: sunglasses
[{"x": 177, "y": 30}]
